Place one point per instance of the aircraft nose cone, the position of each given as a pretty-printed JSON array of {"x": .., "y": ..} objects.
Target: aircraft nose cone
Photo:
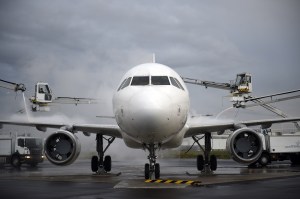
[{"x": 150, "y": 111}]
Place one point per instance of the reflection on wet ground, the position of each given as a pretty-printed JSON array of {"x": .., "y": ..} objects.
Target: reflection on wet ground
[
  {"x": 228, "y": 171},
  {"x": 231, "y": 180}
]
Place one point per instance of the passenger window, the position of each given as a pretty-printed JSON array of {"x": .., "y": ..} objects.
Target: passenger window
[
  {"x": 140, "y": 81},
  {"x": 160, "y": 80}
]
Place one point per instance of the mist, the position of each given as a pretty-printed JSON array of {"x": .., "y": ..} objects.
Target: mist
[{"x": 83, "y": 49}]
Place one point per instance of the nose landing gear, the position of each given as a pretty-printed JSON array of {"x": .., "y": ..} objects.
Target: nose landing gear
[{"x": 152, "y": 167}]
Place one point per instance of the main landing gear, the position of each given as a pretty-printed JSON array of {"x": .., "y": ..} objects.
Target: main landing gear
[
  {"x": 208, "y": 163},
  {"x": 101, "y": 164},
  {"x": 152, "y": 167}
]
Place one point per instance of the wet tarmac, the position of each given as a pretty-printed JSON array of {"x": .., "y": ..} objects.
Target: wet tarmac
[{"x": 231, "y": 180}]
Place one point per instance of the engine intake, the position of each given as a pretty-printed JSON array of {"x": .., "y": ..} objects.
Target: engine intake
[
  {"x": 245, "y": 145},
  {"x": 62, "y": 148}
]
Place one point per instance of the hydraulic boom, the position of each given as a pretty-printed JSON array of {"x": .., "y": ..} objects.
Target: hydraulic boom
[{"x": 12, "y": 86}]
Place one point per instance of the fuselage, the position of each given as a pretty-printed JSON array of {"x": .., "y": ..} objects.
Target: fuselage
[{"x": 151, "y": 104}]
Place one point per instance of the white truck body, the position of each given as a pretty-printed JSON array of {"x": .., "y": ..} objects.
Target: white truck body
[
  {"x": 20, "y": 149},
  {"x": 284, "y": 144},
  {"x": 276, "y": 147},
  {"x": 5, "y": 146}
]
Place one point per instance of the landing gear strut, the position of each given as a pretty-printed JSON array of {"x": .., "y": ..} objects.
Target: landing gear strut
[
  {"x": 101, "y": 164},
  {"x": 152, "y": 167},
  {"x": 208, "y": 163}
]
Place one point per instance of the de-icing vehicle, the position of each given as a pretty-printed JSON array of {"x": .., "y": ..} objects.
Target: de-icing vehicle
[
  {"x": 18, "y": 150},
  {"x": 43, "y": 96}
]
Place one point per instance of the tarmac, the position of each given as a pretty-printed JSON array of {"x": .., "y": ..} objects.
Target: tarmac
[{"x": 231, "y": 180}]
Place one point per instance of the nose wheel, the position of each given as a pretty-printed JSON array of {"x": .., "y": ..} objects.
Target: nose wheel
[{"x": 152, "y": 169}]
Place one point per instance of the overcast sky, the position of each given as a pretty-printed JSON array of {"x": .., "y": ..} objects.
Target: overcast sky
[{"x": 83, "y": 48}]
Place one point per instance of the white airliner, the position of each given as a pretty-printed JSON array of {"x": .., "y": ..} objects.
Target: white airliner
[{"x": 151, "y": 108}]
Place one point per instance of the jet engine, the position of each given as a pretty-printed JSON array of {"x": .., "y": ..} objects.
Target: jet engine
[
  {"x": 62, "y": 148},
  {"x": 245, "y": 145}
]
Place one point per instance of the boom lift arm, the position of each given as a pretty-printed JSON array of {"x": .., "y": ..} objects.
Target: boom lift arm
[
  {"x": 240, "y": 93},
  {"x": 12, "y": 86},
  {"x": 43, "y": 96},
  {"x": 242, "y": 84},
  {"x": 266, "y": 104}
]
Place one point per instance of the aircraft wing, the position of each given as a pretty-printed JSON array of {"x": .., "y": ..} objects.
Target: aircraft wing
[
  {"x": 201, "y": 128},
  {"x": 110, "y": 130}
]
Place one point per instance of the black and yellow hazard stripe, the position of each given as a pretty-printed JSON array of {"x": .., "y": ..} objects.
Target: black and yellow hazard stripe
[{"x": 187, "y": 182}]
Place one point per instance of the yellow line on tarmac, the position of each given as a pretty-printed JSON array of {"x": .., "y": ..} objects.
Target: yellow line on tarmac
[{"x": 187, "y": 182}]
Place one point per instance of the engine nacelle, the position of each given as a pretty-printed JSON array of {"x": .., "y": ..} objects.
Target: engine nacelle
[
  {"x": 62, "y": 148},
  {"x": 245, "y": 145}
]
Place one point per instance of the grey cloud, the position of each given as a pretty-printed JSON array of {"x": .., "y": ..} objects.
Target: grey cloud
[{"x": 82, "y": 48}]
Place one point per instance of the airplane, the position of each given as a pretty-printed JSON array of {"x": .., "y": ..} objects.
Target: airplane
[{"x": 151, "y": 109}]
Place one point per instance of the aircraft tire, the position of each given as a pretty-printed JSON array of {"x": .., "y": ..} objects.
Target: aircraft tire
[
  {"x": 94, "y": 164},
  {"x": 213, "y": 162},
  {"x": 157, "y": 171},
  {"x": 147, "y": 171},
  {"x": 107, "y": 163},
  {"x": 200, "y": 162}
]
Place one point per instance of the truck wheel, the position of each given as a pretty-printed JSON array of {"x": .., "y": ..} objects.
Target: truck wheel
[
  {"x": 252, "y": 165},
  {"x": 295, "y": 159},
  {"x": 33, "y": 164},
  {"x": 264, "y": 159},
  {"x": 15, "y": 161}
]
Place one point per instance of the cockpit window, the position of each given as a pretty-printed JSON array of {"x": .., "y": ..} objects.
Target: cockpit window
[
  {"x": 179, "y": 84},
  {"x": 176, "y": 83},
  {"x": 160, "y": 80},
  {"x": 122, "y": 84},
  {"x": 140, "y": 81},
  {"x": 125, "y": 83}
]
